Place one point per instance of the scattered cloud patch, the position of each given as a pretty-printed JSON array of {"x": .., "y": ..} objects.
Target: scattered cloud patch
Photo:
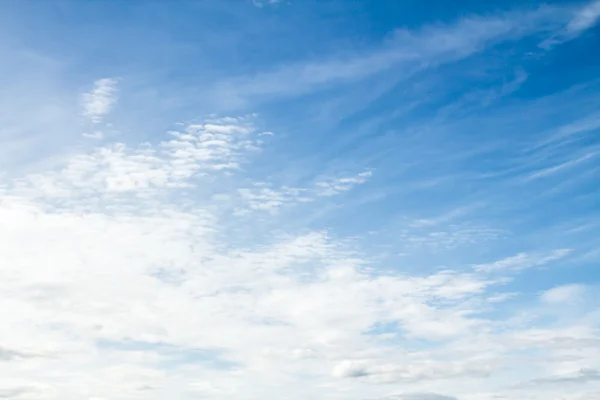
[
  {"x": 98, "y": 102},
  {"x": 340, "y": 185},
  {"x": 264, "y": 197}
]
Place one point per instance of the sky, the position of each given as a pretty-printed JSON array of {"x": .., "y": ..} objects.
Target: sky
[{"x": 292, "y": 199}]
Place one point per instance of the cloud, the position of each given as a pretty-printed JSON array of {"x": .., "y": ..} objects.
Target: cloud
[
  {"x": 264, "y": 3},
  {"x": 523, "y": 261},
  {"x": 199, "y": 149},
  {"x": 15, "y": 392},
  {"x": 440, "y": 238},
  {"x": 414, "y": 372},
  {"x": 407, "y": 50},
  {"x": 195, "y": 264},
  {"x": 565, "y": 294},
  {"x": 560, "y": 167},
  {"x": 100, "y": 100},
  {"x": 582, "y": 19},
  {"x": 578, "y": 377},
  {"x": 350, "y": 369},
  {"x": 585, "y": 18},
  {"x": 421, "y": 396},
  {"x": 9, "y": 355},
  {"x": 572, "y": 131},
  {"x": 340, "y": 185},
  {"x": 132, "y": 258},
  {"x": 263, "y": 197},
  {"x": 107, "y": 248}
]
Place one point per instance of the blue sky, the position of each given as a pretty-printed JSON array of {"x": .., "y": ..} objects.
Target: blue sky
[{"x": 284, "y": 199}]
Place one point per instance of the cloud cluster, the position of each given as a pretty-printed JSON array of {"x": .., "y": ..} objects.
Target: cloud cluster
[
  {"x": 263, "y": 197},
  {"x": 108, "y": 261}
]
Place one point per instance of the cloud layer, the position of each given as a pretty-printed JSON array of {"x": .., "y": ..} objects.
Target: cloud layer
[{"x": 347, "y": 247}]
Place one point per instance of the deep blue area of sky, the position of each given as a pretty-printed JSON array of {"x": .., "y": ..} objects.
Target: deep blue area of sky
[{"x": 244, "y": 39}]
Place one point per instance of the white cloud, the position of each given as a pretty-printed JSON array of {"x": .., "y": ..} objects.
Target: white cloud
[
  {"x": 141, "y": 246},
  {"x": 126, "y": 271},
  {"x": 432, "y": 238},
  {"x": 100, "y": 100},
  {"x": 578, "y": 377},
  {"x": 407, "y": 50},
  {"x": 566, "y": 294},
  {"x": 420, "y": 396},
  {"x": 197, "y": 150},
  {"x": 95, "y": 135},
  {"x": 263, "y": 197},
  {"x": 333, "y": 187},
  {"x": 523, "y": 261},
  {"x": 585, "y": 18},
  {"x": 108, "y": 248},
  {"x": 91, "y": 261},
  {"x": 560, "y": 167},
  {"x": 581, "y": 19}
]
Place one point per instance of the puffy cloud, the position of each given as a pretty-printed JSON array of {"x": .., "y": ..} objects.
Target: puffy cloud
[{"x": 105, "y": 261}]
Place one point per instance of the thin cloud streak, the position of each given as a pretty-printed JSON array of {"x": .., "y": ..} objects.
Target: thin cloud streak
[{"x": 407, "y": 49}]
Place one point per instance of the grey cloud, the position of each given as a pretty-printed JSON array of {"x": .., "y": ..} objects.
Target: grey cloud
[
  {"x": 13, "y": 392},
  {"x": 420, "y": 396},
  {"x": 406, "y": 373},
  {"x": 584, "y": 375},
  {"x": 7, "y": 354}
]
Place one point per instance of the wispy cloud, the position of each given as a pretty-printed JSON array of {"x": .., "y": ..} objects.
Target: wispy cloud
[
  {"x": 572, "y": 131},
  {"x": 264, "y": 3},
  {"x": 98, "y": 102},
  {"x": 585, "y": 18},
  {"x": 560, "y": 167},
  {"x": 523, "y": 261},
  {"x": 340, "y": 185},
  {"x": 582, "y": 19},
  {"x": 407, "y": 50}
]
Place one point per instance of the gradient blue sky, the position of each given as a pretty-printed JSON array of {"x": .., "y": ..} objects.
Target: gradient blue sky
[{"x": 287, "y": 199}]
